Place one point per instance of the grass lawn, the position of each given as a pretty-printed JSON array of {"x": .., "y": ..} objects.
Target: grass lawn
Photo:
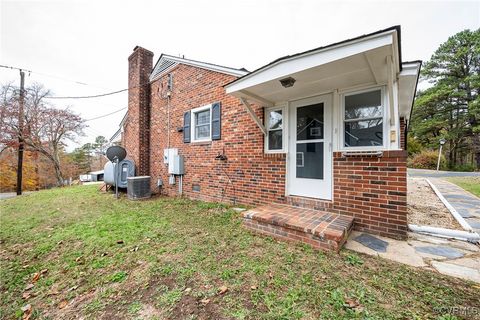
[
  {"x": 181, "y": 259},
  {"x": 471, "y": 184}
]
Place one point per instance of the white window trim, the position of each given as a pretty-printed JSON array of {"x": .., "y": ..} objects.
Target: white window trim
[
  {"x": 384, "y": 145},
  {"x": 284, "y": 128},
  {"x": 192, "y": 123}
]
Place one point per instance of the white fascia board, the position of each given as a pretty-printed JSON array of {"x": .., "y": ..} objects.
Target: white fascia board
[
  {"x": 309, "y": 60},
  {"x": 410, "y": 69},
  {"x": 204, "y": 65}
]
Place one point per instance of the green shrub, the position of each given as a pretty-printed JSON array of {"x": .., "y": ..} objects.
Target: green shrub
[
  {"x": 413, "y": 146},
  {"x": 427, "y": 159},
  {"x": 468, "y": 167}
]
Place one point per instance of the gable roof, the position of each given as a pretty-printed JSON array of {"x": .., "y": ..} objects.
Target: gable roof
[
  {"x": 322, "y": 48},
  {"x": 167, "y": 62}
]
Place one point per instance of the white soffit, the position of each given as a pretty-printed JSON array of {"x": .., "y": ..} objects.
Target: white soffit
[{"x": 295, "y": 64}]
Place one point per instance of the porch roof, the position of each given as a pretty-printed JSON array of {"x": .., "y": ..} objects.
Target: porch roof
[{"x": 360, "y": 61}]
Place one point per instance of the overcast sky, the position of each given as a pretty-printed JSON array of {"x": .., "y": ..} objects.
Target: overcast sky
[{"x": 89, "y": 41}]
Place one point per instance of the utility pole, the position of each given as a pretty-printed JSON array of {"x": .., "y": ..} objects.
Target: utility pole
[{"x": 21, "y": 146}]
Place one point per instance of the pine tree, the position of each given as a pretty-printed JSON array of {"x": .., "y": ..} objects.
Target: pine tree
[{"x": 450, "y": 109}]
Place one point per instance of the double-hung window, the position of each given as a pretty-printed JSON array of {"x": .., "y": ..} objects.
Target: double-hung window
[
  {"x": 363, "y": 119},
  {"x": 201, "y": 123},
  {"x": 274, "y": 124}
]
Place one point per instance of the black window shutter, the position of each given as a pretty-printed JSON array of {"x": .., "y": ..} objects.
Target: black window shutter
[
  {"x": 186, "y": 127},
  {"x": 216, "y": 121}
]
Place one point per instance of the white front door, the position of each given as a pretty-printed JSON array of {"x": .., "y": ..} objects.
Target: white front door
[{"x": 309, "y": 152}]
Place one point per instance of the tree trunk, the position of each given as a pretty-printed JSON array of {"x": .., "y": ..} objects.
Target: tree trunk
[
  {"x": 58, "y": 170},
  {"x": 476, "y": 149}
]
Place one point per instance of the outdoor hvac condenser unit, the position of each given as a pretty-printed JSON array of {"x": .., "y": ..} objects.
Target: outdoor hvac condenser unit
[{"x": 138, "y": 187}]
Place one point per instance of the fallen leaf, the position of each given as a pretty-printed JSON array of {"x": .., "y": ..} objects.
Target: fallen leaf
[
  {"x": 29, "y": 286},
  {"x": 59, "y": 242},
  {"x": 359, "y": 309},
  {"x": 26, "y": 295},
  {"x": 78, "y": 260},
  {"x": 254, "y": 287},
  {"x": 53, "y": 292},
  {"x": 222, "y": 290},
  {"x": 134, "y": 249},
  {"x": 43, "y": 271},
  {"x": 270, "y": 275},
  {"x": 63, "y": 304},
  {"x": 104, "y": 254},
  {"x": 205, "y": 301},
  {"x": 187, "y": 290},
  {"x": 72, "y": 288},
  {"x": 351, "y": 303},
  {"x": 120, "y": 242},
  {"x": 27, "y": 308},
  {"x": 27, "y": 311},
  {"x": 35, "y": 277},
  {"x": 25, "y": 266}
]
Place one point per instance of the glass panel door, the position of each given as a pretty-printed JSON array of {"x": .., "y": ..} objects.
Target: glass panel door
[
  {"x": 310, "y": 141},
  {"x": 310, "y": 153}
]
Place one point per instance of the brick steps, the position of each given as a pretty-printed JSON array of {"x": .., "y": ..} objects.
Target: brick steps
[{"x": 320, "y": 229}]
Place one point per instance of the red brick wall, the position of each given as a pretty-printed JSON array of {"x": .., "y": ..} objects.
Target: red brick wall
[
  {"x": 373, "y": 190},
  {"x": 137, "y": 126},
  {"x": 248, "y": 176}
]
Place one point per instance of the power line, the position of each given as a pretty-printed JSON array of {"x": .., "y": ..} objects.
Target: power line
[
  {"x": 51, "y": 76},
  {"x": 84, "y": 97},
  {"x": 106, "y": 115},
  {"x": 91, "y": 96}
]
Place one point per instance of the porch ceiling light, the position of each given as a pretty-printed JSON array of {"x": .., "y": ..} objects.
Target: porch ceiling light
[{"x": 287, "y": 82}]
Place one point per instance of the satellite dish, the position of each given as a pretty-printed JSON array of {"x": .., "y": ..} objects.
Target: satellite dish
[{"x": 116, "y": 153}]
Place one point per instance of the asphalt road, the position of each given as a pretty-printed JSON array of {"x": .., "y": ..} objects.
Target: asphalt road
[{"x": 440, "y": 174}]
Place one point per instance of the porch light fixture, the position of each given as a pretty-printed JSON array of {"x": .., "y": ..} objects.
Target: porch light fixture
[{"x": 287, "y": 82}]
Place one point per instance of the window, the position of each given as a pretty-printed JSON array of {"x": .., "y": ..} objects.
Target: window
[
  {"x": 274, "y": 142},
  {"x": 363, "y": 119},
  {"x": 201, "y": 123}
]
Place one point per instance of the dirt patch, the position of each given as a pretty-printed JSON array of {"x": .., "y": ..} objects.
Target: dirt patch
[{"x": 425, "y": 208}]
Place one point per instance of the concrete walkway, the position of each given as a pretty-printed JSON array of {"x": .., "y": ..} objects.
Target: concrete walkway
[
  {"x": 465, "y": 203},
  {"x": 450, "y": 257}
]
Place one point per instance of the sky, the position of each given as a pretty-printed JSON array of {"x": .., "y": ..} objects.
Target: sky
[{"x": 77, "y": 48}]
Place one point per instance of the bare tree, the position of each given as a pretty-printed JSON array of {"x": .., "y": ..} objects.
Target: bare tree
[{"x": 46, "y": 128}]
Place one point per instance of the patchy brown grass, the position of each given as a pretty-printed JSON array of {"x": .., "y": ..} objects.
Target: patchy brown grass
[{"x": 175, "y": 256}]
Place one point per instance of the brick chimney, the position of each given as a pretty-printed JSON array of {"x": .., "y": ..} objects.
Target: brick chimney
[{"x": 137, "y": 133}]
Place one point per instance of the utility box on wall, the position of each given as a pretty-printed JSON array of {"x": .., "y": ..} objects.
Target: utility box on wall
[
  {"x": 175, "y": 165},
  {"x": 168, "y": 155}
]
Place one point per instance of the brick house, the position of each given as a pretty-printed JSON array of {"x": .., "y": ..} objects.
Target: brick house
[{"x": 323, "y": 129}]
